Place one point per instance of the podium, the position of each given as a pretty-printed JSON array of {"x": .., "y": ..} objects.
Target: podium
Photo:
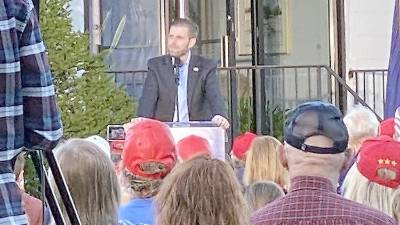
[{"x": 214, "y": 134}]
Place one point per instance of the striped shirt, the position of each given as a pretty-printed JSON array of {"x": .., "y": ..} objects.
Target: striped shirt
[
  {"x": 29, "y": 117},
  {"x": 313, "y": 201}
]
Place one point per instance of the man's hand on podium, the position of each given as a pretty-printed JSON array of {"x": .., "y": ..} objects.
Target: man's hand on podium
[{"x": 221, "y": 121}]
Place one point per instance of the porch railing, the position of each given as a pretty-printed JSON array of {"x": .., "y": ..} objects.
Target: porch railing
[
  {"x": 262, "y": 95},
  {"x": 370, "y": 85}
]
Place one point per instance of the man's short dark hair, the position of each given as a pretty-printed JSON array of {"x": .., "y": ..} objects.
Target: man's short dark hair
[{"x": 192, "y": 26}]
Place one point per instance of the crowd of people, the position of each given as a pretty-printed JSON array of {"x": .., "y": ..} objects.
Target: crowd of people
[
  {"x": 265, "y": 181},
  {"x": 326, "y": 170}
]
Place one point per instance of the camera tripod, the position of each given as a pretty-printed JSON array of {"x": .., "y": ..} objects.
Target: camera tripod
[{"x": 37, "y": 158}]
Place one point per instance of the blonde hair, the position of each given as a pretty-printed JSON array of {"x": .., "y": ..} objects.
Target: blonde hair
[
  {"x": 263, "y": 164},
  {"x": 395, "y": 200},
  {"x": 361, "y": 123},
  {"x": 261, "y": 193},
  {"x": 201, "y": 191},
  {"x": 358, "y": 188},
  {"x": 91, "y": 180}
]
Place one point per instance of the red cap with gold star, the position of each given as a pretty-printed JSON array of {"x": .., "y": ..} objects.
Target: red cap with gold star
[{"x": 379, "y": 161}]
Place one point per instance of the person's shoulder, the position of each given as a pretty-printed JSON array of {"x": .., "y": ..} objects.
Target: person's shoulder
[
  {"x": 125, "y": 210},
  {"x": 136, "y": 204},
  {"x": 143, "y": 211},
  {"x": 126, "y": 207},
  {"x": 355, "y": 211},
  {"x": 206, "y": 61},
  {"x": 126, "y": 222},
  {"x": 350, "y": 211},
  {"x": 270, "y": 212},
  {"x": 367, "y": 214},
  {"x": 157, "y": 60}
]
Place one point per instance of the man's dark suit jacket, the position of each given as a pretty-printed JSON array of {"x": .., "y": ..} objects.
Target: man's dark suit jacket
[{"x": 204, "y": 96}]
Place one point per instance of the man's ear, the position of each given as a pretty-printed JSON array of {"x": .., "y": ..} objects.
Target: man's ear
[
  {"x": 348, "y": 156},
  {"x": 192, "y": 42},
  {"x": 283, "y": 157}
]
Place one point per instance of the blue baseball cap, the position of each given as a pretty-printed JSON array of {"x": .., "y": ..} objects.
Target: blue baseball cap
[{"x": 316, "y": 118}]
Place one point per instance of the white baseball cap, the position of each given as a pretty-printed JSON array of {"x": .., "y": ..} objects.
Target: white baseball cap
[{"x": 101, "y": 143}]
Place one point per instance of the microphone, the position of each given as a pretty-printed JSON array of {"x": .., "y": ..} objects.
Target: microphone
[{"x": 176, "y": 63}]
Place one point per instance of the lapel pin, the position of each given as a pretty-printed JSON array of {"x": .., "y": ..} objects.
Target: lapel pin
[{"x": 196, "y": 69}]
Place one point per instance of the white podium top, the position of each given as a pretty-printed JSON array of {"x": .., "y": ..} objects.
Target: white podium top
[{"x": 214, "y": 134}]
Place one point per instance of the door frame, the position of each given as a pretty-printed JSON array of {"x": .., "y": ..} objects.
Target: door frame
[{"x": 337, "y": 51}]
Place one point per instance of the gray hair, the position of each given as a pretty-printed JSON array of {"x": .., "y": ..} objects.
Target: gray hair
[
  {"x": 261, "y": 193},
  {"x": 361, "y": 123}
]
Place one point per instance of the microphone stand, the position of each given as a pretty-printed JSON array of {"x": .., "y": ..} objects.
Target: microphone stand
[{"x": 176, "y": 64}]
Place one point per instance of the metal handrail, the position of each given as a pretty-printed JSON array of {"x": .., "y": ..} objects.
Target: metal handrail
[
  {"x": 327, "y": 70},
  {"x": 370, "y": 82},
  {"x": 231, "y": 68},
  {"x": 367, "y": 70},
  {"x": 364, "y": 71},
  {"x": 352, "y": 92}
]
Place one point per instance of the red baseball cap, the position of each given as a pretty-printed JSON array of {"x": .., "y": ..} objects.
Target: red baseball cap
[
  {"x": 386, "y": 127},
  {"x": 377, "y": 153},
  {"x": 192, "y": 146},
  {"x": 241, "y": 144},
  {"x": 149, "y": 149}
]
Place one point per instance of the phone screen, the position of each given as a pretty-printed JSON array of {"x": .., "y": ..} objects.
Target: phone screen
[{"x": 115, "y": 132}]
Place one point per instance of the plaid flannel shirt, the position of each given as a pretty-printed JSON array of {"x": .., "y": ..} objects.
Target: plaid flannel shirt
[
  {"x": 29, "y": 117},
  {"x": 313, "y": 201}
]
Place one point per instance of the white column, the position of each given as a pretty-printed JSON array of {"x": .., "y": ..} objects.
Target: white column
[
  {"x": 183, "y": 8},
  {"x": 94, "y": 25}
]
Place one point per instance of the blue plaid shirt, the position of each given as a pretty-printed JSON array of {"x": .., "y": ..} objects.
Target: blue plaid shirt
[{"x": 29, "y": 117}]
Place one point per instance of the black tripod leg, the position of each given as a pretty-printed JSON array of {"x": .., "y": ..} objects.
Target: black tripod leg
[
  {"x": 62, "y": 188},
  {"x": 50, "y": 196}
]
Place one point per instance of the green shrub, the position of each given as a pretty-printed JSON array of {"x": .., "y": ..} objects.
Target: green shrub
[
  {"x": 247, "y": 121},
  {"x": 276, "y": 117},
  {"x": 88, "y": 97}
]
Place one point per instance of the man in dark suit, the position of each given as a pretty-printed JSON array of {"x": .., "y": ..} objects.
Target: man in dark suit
[{"x": 190, "y": 86}]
